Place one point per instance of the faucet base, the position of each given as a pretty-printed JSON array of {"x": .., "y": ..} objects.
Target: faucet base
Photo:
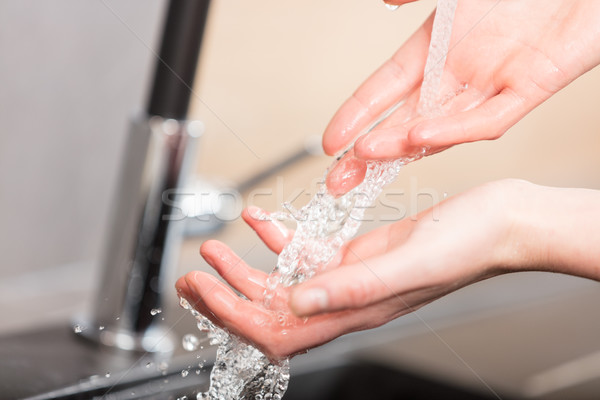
[{"x": 156, "y": 339}]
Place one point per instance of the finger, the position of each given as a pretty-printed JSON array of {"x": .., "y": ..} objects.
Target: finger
[
  {"x": 277, "y": 334},
  {"x": 487, "y": 121},
  {"x": 385, "y": 144},
  {"x": 388, "y": 85},
  {"x": 222, "y": 305},
  {"x": 398, "y": 2},
  {"x": 348, "y": 173},
  {"x": 242, "y": 317},
  {"x": 195, "y": 301},
  {"x": 273, "y": 233},
  {"x": 351, "y": 287},
  {"x": 390, "y": 140},
  {"x": 248, "y": 281}
]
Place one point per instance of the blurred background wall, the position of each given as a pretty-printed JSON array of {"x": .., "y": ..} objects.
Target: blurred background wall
[{"x": 71, "y": 75}]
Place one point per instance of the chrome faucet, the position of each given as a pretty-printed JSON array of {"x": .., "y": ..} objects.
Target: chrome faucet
[
  {"x": 139, "y": 248},
  {"x": 142, "y": 243}
]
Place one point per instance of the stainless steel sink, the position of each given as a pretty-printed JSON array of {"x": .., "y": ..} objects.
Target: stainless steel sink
[
  {"x": 415, "y": 351},
  {"x": 54, "y": 363}
]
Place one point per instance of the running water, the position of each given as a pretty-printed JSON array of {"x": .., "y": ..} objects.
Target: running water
[
  {"x": 323, "y": 225},
  {"x": 429, "y": 104}
]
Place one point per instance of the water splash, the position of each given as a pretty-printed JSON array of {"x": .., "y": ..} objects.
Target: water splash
[
  {"x": 323, "y": 226},
  {"x": 190, "y": 342}
]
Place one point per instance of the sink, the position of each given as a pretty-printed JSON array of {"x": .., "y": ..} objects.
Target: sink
[
  {"x": 54, "y": 363},
  {"x": 358, "y": 380},
  {"x": 57, "y": 364},
  {"x": 403, "y": 357}
]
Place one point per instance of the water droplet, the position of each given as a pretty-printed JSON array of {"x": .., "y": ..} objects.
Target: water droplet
[
  {"x": 155, "y": 311},
  {"x": 163, "y": 366},
  {"x": 281, "y": 318},
  {"x": 445, "y": 195},
  {"x": 107, "y": 375},
  {"x": 101, "y": 328},
  {"x": 190, "y": 342},
  {"x": 77, "y": 328},
  {"x": 184, "y": 304},
  {"x": 184, "y": 372},
  {"x": 149, "y": 364},
  {"x": 391, "y": 7}
]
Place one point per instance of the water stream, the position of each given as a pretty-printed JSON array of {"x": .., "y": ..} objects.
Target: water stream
[{"x": 323, "y": 225}]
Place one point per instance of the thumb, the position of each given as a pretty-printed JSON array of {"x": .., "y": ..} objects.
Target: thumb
[{"x": 352, "y": 286}]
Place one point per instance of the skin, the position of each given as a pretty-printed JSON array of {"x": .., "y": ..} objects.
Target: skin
[
  {"x": 501, "y": 227},
  {"x": 512, "y": 54},
  {"x": 520, "y": 54}
]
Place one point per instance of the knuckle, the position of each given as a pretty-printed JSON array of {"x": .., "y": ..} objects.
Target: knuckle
[{"x": 358, "y": 293}]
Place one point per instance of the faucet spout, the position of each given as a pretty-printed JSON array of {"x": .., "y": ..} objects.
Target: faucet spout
[
  {"x": 143, "y": 239},
  {"x": 143, "y": 242}
]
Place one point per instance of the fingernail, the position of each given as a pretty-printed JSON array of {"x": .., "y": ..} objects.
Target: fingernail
[
  {"x": 310, "y": 302},
  {"x": 257, "y": 213},
  {"x": 192, "y": 281},
  {"x": 346, "y": 175}
]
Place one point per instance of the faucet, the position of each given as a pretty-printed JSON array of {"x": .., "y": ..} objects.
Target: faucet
[
  {"x": 141, "y": 244},
  {"x": 138, "y": 251}
]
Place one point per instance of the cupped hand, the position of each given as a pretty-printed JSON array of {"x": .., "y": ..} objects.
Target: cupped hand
[
  {"x": 377, "y": 277},
  {"x": 505, "y": 58}
]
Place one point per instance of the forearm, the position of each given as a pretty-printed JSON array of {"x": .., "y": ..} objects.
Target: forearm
[{"x": 557, "y": 229}]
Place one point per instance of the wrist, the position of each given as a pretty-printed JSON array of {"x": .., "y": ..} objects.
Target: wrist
[{"x": 551, "y": 229}]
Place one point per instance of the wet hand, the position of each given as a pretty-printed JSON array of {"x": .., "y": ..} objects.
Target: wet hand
[
  {"x": 377, "y": 277},
  {"x": 505, "y": 59}
]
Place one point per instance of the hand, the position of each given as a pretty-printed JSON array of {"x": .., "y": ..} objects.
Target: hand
[
  {"x": 398, "y": 2},
  {"x": 398, "y": 268},
  {"x": 512, "y": 55}
]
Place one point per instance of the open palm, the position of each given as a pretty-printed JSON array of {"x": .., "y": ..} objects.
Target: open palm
[{"x": 378, "y": 276}]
